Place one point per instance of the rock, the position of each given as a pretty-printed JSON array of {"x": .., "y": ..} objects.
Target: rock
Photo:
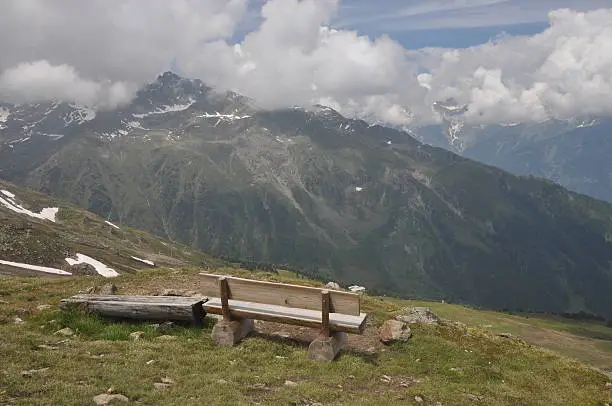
[
  {"x": 418, "y": 399},
  {"x": 136, "y": 335},
  {"x": 90, "y": 290},
  {"x": 291, "y": 383},
  {"x": 421, "y": 315},
  {"x": 474, "y": 398},
  {"x": 166, "y": 338},
  {"x": 46, "y": 347},
  {"x": 177, "y": 292},
  {"x": 111, "y": 390},
  {"x": 608, "y": 386},
  {"x": 108, "y": 289},
  {"x": 83, "y": 270},
  {"x": 168, "y": 381},
  {"x": 165, "y": 327},
  {"x": 106, "y": 398},
  {"x": 161, "y": 385},
  {"x": 150, "y": 362},
  {"x": 66, "y": 332},
  {"x": 222, "y": 382},
  {"x": 18, "y": 320},
  {"x": 43, "y": 307},
  {"x": 31, "y": 372},
  {"x": 333, "y": 285},
  {"x": 506, "y": 335},
  {"x": 393, "y": 331},
  {"x": 386, "y": 379}
]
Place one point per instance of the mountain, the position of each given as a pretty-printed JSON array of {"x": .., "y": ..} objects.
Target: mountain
[
  {"x": 40, "y": 235},
  {"x": 576, "y": 153},
  {"x": 331, "y": 196}
]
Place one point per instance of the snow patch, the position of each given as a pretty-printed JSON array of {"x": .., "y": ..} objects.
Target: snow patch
[
  {"x": 223, "y": 117},
  {"x": 356, "y": 288},
  {"x": 358, "y": 189},
  {"x": 4, "y": 115},
  {"x": 99, "y": 266},
  {"x": 8, "y": 194},
  {"x": 144, "y": 261},
  {"x": 167, "y": 109},
  {"x": 112, "y": 225},
  {"x": 55, "y": 136},
  {"x": 79, "y": 115},
  {"x": 9, "y": 202},
  {"x": 35, "y": 268}
]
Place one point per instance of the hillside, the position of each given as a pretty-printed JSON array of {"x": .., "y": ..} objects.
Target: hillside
[
  {"x": 574, "y": 153},
  {"x": 40, "y": 235},
  {"x": 448, "y": 364},
  {"x": 333, "y": 197}
]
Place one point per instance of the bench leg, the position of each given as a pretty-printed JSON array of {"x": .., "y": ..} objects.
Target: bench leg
[
  {"x": 227, "y": 333},
  {"x": 326, "y": 348}
]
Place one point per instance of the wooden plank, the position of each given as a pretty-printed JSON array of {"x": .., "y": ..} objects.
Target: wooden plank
[
  {"x": 224, "y": 298},
  {"x": 325, "y": 313},
  {"x": 139, "y": 310},
  {"x": 281, "y": 314},
  {"x": 295, "y": 296}
]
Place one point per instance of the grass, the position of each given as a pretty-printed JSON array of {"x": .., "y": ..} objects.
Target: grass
[{"x": 452, "y": 364}]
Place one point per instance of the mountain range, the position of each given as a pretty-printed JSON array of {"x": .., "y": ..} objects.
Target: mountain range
[
  {"x": 575, "y": 153},
  {"x": 332, "y": 196}
]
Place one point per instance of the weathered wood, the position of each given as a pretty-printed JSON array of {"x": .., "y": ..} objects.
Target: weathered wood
[
  {"x": 325, "y": 313},
  {"x": 142, "y": 299},
  {"x": 281, "y": 314},
  {"x": 159, "y": 308},
  {"x": 223, "y": 286},
  {"x": 279, "y": 294}
]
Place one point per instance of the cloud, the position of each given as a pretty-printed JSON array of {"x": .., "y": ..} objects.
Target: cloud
[
  {"x": 32, "y": 82},
  {"x": 89, "y": 52}
]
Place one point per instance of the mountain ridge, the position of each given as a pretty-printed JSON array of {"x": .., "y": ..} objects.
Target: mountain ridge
[{"x": 332, "y": 196}]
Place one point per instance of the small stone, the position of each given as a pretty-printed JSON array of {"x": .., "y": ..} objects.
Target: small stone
[
  {"x": 106, "y": 398},
  {"x": 136, "y": 335},
  {"x": 46, "y": 347},
  {"x": 167, "y": 380},
  {"x": 394, "y": 331},
  {"x": 165, "y": 327},
  {"x": 161, "y": 385},
  {"x": 150, "y": 362},
  {"x": 31, "y": 372},
  {"x": 43, "y": 307},
  {"x": 386, "y": 378},
  {"x": 290, "y": 383},
  {"x": 66, "y": 332},
  {"x": 108, "y": 289},
  {"x": 608, "y": 386},
  {"x": 333, "y": 285},
  {"x": 111, "y": 390},
  {"x": 166, "y": 338},
  {"x": 421, "y": 315},
  {"x": 351, "y": 376},
  {"x": 222, "y": 382},
  {"x": 18, "y": 320},
  {"x": 506, "y": 335},
  {"x": 418, "y": 399},
  {"x": 474, "y": 398},
  {"x": 90, "y": 290}
]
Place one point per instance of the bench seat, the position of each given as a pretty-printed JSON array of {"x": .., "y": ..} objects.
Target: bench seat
[{"x": 287, "y": 315}]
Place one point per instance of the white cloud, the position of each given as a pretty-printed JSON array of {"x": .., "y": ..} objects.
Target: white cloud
[
  {"x": 32, "y": 82},
  {"x": 89, "y": 52}
]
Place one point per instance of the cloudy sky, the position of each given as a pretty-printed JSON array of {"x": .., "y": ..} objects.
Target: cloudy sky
[{"x": 508, "y": 60}]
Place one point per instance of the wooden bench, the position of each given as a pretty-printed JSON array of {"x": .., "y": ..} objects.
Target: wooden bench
[
  {"x": 241, "y": 301},
  {"x": 159, "y": 308}
]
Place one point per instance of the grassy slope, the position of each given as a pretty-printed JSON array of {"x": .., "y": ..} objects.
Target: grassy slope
[
  {"x": 40, "y": 242},
  {"x": 451, "y": 364}
]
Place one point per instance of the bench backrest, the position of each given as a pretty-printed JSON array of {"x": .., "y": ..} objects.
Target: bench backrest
[{"x": 280, "y": 294}]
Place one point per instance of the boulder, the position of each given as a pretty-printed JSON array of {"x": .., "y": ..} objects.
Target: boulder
[
  {"x": 108, "y": 289},
  {"x": 333, "y": 285},
  {"x": 422, "y": 315},
  {"x": 107, "y": 398},
  {"x": 83, "y": 270},
  {"x": 394, "y": 331}
]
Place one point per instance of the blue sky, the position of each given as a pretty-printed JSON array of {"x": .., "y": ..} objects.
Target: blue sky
[{"x": 447, "y": 23}]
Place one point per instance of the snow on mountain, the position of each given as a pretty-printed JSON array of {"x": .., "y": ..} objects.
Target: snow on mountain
[
  {"x": 9, "y": 202},
  {"x": 98, "y": 266},
  {"x": 167, "y": 109}
]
